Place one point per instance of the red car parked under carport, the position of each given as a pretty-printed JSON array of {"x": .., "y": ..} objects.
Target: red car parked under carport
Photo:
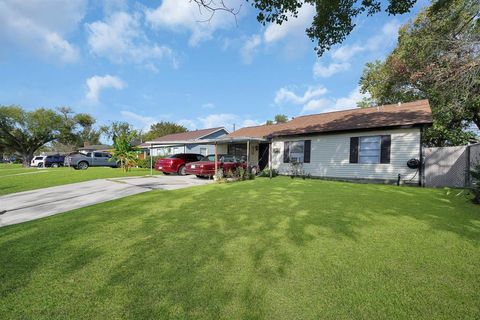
[
  {"x": 206, "y": 168},
  {"x": 176, "y": 163}
]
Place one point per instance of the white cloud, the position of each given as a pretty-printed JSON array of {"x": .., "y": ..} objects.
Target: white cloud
[
  {"x": 227, "y": 120},
  {"x": 346, "y": 52},
  {"x": 218, "y": 120},
  {"x": 120, "y": 39},
  {"x": 186, "y": 15},
  {"x": 351, "y": 100},
  {"x": 138, "y": 120},
  {"x": 332, "y": 104},
  {"x": 249, "y": 47},
  {"x": 208, "y": 105},
  {"x": 41, "y": 26},
  {"x": 189, "y": 124},
  {"x": 250, "y": 123},
  {"x": 96, "y": 84},
  {"x": 316, "y": 104},
  {"x": 327, "y": 71},
  {"x": 387, "y": 36},
  {"x": 342, "y": 55},
  {"x": 285, "y": 95},
  {"x": 292, "y": 27}
]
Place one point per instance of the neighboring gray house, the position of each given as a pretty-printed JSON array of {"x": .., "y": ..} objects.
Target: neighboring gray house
[{"x": 167, "y": 144}]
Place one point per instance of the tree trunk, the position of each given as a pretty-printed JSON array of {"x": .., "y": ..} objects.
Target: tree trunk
[
  {"x": 476, "y": 120},
  {"x": 27, "y": 158}
]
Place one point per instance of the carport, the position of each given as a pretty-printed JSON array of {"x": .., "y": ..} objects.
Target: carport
[{"x": 222, "y": 146}]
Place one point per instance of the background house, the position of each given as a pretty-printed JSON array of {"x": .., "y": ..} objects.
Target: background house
[{"x": 185, "y": 142}]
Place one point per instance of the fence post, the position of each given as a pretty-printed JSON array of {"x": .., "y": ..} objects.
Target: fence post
[{"x": 467, "y": 172}]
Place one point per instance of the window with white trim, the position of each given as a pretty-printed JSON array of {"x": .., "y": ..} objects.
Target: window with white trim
[{"x": 369, "y": 149}]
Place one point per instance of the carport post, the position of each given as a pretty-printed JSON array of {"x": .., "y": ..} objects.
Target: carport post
[
  {"x": 216, "y": 156},
  {"x": 248, "y": 156},
  {"x": 270, "y": 158},
  {"x": 151, "y": 161}
]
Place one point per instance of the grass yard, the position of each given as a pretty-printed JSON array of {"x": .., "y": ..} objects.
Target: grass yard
[
  {"x": 280, "y": 249},
  {"x": 15, "y": 178}
]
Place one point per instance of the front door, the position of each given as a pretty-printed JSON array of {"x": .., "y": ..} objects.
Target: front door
[{"x": 262, "y": 155}]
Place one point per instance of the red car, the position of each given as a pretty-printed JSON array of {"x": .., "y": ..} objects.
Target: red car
[
  {"x": 206, "y": 168},
  {"x": 177, "y": 162}
]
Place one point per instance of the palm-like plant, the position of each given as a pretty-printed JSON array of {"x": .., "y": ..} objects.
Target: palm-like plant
[{"x": 123, "y": 151}]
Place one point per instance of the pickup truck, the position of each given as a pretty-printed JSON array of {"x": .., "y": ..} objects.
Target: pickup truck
[{"x": 83, "y": 160}]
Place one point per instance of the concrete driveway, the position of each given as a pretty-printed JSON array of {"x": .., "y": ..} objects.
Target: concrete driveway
[{"x": 35, "y": 204}]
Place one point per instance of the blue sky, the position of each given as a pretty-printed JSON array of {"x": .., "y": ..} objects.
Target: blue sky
[{"x": 147, "y": 61}]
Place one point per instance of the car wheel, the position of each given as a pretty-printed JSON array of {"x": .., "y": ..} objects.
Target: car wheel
[
  {"x": 54, "y": 165},
  {"x": 83, "y": 165},
  {"x": 166, "y": 173},
  {"x": 181, "y": 170},
  {"x": 40, "y": 165},
  {"x": 200, "y": 177}
]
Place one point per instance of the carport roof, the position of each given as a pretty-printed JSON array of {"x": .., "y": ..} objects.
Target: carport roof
[{"x": 223, "y": 140}]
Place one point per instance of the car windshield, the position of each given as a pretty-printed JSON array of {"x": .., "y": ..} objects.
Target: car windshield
[
  {"x": 227, "y": 158},
  {"x": 221, "y": 158},
  {"x": 210, "y": 157}
]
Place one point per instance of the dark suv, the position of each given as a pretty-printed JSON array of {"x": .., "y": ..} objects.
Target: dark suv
[{"x": 54, "y": 161}]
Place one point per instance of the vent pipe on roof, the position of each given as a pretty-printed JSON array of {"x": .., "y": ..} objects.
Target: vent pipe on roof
[{"x": 399, "y": 103}]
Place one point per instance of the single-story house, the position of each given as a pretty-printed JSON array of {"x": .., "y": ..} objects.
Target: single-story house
[
  {"x": 359, "y": 144},
  {"x": 185, "y": 142}
]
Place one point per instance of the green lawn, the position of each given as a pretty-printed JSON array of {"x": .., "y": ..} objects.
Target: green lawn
[
  {"x": 14, "y": 178},
  {"x": 279, "y": 249}
]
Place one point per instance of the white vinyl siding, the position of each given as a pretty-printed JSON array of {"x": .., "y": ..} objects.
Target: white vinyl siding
[{"x": 330, "y": 156}]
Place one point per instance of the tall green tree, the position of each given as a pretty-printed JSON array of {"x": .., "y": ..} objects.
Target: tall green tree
[
  {"x": 333, "y": 20},
  {"x": 163, "y": 128},
  {"x": 24, "y": 132},
  {"x": 437, "y": 57},
  {"x": 281, "y": 118}
]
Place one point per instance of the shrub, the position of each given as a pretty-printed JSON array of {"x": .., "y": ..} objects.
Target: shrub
[
  {"x": 145, "y": 163},
  {"x": 266, "y": 173},
  {"x": 475, "y": 173}
]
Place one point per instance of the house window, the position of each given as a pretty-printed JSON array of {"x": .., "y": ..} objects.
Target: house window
[
  {"x": 369, "y": 149},
  {"x": 238, "y": 150},
  {"x": 297, "y": 151},
  {"x": 203, "y": 151}
]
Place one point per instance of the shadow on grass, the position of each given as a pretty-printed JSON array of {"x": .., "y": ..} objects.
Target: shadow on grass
[{"x": 204, "y": 252}]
